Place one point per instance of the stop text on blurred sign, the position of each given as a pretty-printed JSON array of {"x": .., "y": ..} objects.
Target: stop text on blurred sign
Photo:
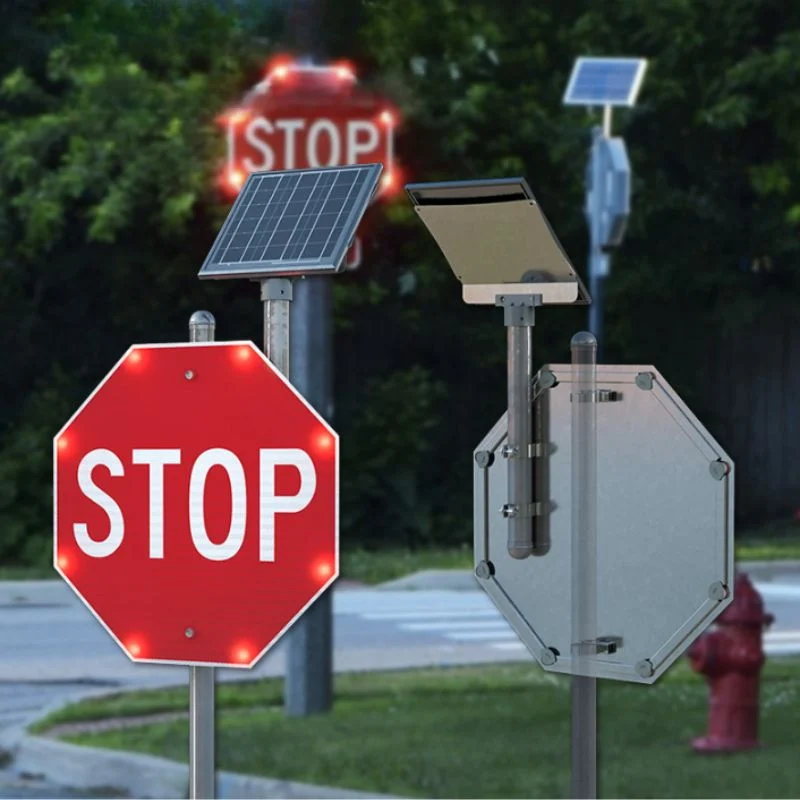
[{"x": 305, "y": 116}]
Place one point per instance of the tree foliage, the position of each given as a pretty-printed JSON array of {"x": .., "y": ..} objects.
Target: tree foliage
[
  {"x": 713, "y": 240},
  {"x": 108, "y": 152},
  {"x": 108, "y": 157}
]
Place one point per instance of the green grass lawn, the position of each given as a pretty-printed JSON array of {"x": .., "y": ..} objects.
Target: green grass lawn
[{"x": 499, "y": 731}]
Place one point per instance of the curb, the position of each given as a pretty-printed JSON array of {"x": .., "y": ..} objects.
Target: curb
[
  {"x": 140, "y": 775},
  {"x": 148, "y": 776}
]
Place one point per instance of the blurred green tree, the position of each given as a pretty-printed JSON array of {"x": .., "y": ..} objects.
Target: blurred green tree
[
  {"x": 108, "y": 154},
  {"x": 716, "y": 190}
]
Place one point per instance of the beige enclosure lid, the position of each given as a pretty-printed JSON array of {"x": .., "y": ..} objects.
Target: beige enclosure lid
[{"x": 497, "y": 240}]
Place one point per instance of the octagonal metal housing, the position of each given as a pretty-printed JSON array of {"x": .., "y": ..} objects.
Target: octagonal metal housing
[{"x": 664, "y": 525}]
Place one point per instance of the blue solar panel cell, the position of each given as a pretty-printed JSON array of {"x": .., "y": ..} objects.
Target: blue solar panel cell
[
  {"x": 605, "y": 81},
  {"x": 292, "y": 222}
]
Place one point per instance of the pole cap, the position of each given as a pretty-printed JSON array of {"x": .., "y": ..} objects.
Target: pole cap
[
  {"x": 583, "y": 339},
  {"x": 202, "y": 326},
  {"x": 202, "y": 318}
]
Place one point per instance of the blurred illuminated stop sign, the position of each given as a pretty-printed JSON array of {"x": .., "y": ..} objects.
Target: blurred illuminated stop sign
[
  {"x": 303, "y": 116},
  {"x": 196, "y": 503}
]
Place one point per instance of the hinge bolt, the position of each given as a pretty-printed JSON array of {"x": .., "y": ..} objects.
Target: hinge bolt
[
  {"x": 718, "y": 591},
  {"x": 719, "y": 469},
  {"x": 644, "y": 668},
  {"x": 484, "y": 570},
  {"x": 547, "y": 380},
  {"x": 547, "y": 657},
  {"x": 484, "y": 459}
]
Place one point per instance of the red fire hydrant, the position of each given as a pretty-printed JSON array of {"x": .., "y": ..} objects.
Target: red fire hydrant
[{"x": 731, "y": 657}]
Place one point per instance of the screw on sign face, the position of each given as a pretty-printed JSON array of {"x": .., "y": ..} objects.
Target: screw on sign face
[{"x": 196, "y": 503}]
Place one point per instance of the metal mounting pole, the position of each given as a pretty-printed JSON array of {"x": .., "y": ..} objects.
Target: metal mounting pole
[
  {"x": 308, "y": 683},
  {"x": 584, "y": 565},
  {"x": 308, "y": 688},
  {"x": 607, "y": 111},
  {"x": 276, "y": 294},
  {"x": 202, "y": 728},
  {"x": 599, "y": 260},
  {"x": 597, "y": 283},
  {"x": 519, "y": 510}
]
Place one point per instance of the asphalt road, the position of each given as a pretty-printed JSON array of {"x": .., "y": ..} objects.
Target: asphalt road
[{"x": 53, "y": 649}]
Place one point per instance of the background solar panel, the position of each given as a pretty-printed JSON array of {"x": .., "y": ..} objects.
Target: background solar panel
[
  {"x": 292, "y": 222},
  {"x": 605, "y": 81}
]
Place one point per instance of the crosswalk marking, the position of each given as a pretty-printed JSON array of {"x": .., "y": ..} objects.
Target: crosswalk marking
[
  {"x": 488, "y": 625},
  {"x": 477, "y": 636},
  {"x": 782, "y": 648},
  {"x": 778, "y": 590},
  {"x": 515, "y": 645},
  {"x": 775, "y": 635},
  {"x": 401, "y": 615},
  {"x": 469, "y": 619}
]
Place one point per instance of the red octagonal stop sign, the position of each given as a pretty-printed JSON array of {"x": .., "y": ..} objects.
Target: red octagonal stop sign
[{"x": 196, "y": 503}]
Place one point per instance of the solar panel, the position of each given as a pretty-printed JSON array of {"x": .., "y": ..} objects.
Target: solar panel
[
  {"x": 292, "y": 222},
  {"x": 605, "y": 81}
]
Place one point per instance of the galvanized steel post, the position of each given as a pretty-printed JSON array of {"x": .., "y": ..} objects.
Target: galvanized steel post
[
  {"x": 276, "y": 294},
  {"x": 202, "y": 728},
  {"x": 520, "y": 472},
  {"x": 519, "y": 312},
  {"x": 584, "y": 564},
  {"x": 308, "y": 688}
]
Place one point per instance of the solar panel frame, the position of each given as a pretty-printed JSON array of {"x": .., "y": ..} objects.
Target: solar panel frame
[
  {"x": 588, "y": 65},
  {"x": 292, "y": 222}
]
